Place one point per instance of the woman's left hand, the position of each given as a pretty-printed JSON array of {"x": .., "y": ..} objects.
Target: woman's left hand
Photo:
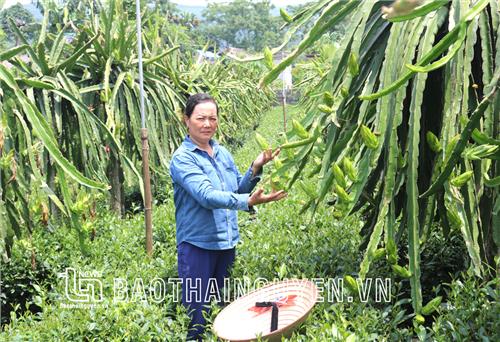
[{"x": 263, "y": 158}]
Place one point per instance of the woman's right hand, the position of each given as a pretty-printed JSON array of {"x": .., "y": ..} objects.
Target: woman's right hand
[{"x": 258, "y": 197}]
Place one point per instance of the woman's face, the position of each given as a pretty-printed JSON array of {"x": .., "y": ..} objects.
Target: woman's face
[{"x": 202, "y": 124}]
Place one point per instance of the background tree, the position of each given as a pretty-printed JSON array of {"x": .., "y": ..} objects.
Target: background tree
[
  {"x": 174, "y": 15},
  {"x": 242, "y": 23},
  {"x": 22, "y": 18}
]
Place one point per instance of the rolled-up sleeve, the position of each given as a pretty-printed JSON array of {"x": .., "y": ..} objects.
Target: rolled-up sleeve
[
  {"x": 247, "y": 182},
  {"x": 186, "y": 173}
]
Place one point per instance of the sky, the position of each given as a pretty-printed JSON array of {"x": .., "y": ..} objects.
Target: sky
[{"x": 277, "y": 3}]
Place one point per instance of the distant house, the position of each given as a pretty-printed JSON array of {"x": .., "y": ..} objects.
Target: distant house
[{"x": 206, "y": 56}]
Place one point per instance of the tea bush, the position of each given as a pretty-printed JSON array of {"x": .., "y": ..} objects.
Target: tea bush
[{"x": 471, "y": 313}]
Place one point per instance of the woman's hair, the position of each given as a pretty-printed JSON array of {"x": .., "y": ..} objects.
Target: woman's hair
[{"x": 196, "y": 99}]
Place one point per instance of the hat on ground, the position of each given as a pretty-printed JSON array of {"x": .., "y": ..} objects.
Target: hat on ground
[{"x": 270, "y": 312}]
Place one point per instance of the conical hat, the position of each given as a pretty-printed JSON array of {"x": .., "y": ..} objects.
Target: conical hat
[{"x": 243, "y": 321}]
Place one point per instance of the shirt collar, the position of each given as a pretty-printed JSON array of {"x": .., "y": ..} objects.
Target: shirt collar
[{"x": 191, "y": 146}]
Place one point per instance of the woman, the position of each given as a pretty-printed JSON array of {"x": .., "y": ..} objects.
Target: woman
[{"x": 208, "y": 191}]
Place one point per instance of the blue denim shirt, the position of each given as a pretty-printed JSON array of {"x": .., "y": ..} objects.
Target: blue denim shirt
[{"x": 207, "y": 194}]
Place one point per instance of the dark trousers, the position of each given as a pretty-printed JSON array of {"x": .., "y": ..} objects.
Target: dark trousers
[{"x": 202, "y": 272}]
